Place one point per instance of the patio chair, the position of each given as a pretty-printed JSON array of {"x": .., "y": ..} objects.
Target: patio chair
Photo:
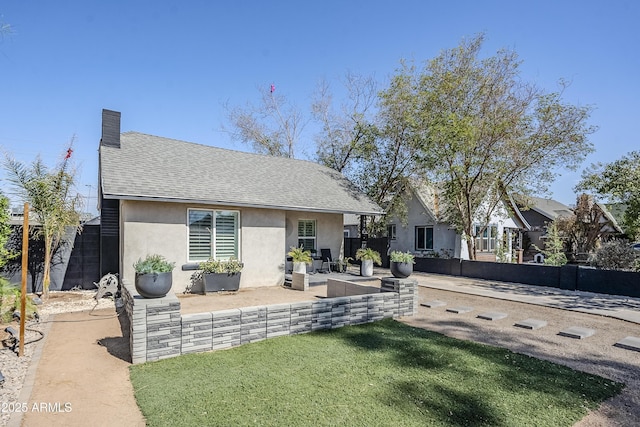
[{"x": 327, "y": 260}]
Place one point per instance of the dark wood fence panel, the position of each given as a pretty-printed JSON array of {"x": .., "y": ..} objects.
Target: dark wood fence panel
[{"x": 568, "y": 277}]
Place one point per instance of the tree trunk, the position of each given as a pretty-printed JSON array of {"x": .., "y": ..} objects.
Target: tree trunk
[
  {"x": 471, "y": 248},
  {"x": 46, "y": 279}
]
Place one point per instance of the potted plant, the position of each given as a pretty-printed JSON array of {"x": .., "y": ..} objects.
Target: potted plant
[
  {"x": 300, "y": 259},
  {"x": 368, "y": 257},
  {"x": 221, "y": 275},
  {"x": 154, "y": 276},
  {"x": 401, "y": 264},
  {"x": 344, "y": 264}
]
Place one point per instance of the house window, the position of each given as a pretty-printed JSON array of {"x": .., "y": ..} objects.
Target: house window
[
  {"x": 213, "y": 234},
  {"x": 307, "y": 234},
  {"x": 424, "y": 238},
  {"x": 486, "y": 241},
  {"x": 391, "y": 231}
]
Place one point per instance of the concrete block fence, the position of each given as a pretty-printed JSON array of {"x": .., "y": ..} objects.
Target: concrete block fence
[{"x": 158, "y": 330}]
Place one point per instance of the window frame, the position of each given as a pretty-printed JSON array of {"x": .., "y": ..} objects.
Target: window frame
[
  {"x": 313, "y": 238},
  {"x": 416, "y": 237},
  {"x": 213, "y": 233},
  {"x": 487, "y": 242},
  {"x": 392, "y": 232}
]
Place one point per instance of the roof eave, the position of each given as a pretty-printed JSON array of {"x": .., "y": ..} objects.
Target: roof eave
[{"x": 242, "y": 205}]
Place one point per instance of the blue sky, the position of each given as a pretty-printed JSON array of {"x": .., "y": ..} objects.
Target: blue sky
[{"x": 169, "y": 66}]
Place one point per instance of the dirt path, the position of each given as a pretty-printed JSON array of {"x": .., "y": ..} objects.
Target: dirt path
[{"x": 82, "y": 377}]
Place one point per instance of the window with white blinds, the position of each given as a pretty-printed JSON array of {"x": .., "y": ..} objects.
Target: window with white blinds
[
  {"x": 226, "y": 233},
  {"x": 213, "y": 233},
  {"x": 307, "y": 234}
]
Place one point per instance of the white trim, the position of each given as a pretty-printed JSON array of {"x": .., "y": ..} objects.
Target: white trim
[{"x": 213, "y": 231}]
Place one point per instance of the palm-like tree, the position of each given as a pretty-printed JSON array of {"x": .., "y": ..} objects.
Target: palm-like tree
[{"x": 48, "y": 193}]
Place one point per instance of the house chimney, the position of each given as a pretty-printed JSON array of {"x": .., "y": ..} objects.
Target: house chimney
[{"x": 110, "y": 129}]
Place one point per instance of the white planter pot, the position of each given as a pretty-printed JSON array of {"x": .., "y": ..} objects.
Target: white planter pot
[
  {"x": 366, "y": 268},
  {"x": 300, "y": 267}
]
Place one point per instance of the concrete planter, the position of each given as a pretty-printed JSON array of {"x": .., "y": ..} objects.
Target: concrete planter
[
  {"x": 215, "y": 282},
  {"x": 401, "y": 270},
  {"x": 299, "y": 267},
  {"x": 366, "y": 268},
  {"x": 153, "y": 285}
]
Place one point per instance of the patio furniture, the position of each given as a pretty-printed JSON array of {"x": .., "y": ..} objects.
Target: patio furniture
[{"x": 327, "y": 260}]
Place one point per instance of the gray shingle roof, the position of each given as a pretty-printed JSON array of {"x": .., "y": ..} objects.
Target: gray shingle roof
[
  {"x": 154, "y": 168},
  {"x": 550, "y": 208}
]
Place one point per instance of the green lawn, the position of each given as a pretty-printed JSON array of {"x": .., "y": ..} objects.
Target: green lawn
[{"x": 379, "y": 374}]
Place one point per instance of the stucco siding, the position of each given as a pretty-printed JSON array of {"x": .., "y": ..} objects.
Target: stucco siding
[
  {"x": 265, "y": 236},
  {"x": 153, "y": 228},
  {"x": 444, "y": 238},
  {"x": 329, "y": 231},
  {"x": 156, "y": 227},
  {"x": 263, "y": 231}
]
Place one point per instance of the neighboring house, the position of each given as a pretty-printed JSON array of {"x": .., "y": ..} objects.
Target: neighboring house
[
  {"x": 617, "y": 210},
  {"x": 426, "y": 233},
  {"x": 539, "y": 212},
  {"x": 351, "y": 225},
  {"x": 189, "y": 202},
  {"x": 610, "y": 226}
]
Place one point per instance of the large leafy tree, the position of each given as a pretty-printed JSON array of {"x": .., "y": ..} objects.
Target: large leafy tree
[
  {"x": 50, "y": 197},
  {"x": 375, "y": 150},
  {"x": 272, "y": 127},
  {"x": 618, "y": 182},
  {"x": 484, "y": 132}
]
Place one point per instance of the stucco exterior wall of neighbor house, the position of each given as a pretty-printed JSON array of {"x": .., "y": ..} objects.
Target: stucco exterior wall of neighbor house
[
  {"x": 501, "y": 218},
  {"x": 444, "y": 238},
  {"x": 265, "y": 236}
]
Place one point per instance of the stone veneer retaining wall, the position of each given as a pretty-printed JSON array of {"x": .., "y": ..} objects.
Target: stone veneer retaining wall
[{"x": 159, "y": 331}]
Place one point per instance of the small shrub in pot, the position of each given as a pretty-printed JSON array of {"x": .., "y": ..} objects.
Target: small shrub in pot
[
  {"x": 401, "y": 264},
  {"x": 154, "y": 276}
]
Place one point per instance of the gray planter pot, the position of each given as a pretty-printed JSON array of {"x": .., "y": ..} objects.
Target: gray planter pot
[
  {"x": 215, "y": 282},
  {"x": 401, "y": 270},
  {"x": 366, "y": 268},
  {"x": 153, "y": 285}
]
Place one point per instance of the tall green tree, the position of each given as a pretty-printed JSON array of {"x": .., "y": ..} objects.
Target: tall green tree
[
  {"x": 50, "y": 197},
  {"x": 554, "y": 246},
  {"x": 618, "y": 182},
  {"x": 484, "y": 132}
]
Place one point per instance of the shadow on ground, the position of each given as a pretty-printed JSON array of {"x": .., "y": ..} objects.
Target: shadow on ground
[{"x": 119, "y": 346}]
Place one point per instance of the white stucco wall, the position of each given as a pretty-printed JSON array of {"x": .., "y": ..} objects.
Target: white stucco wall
[
  {"x": 265, "y": 237},
  {"x": 501, "y": 218}
]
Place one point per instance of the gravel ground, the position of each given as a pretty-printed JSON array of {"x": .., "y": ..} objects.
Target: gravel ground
[
  {"x": 596, "y": 354},
  {"x": 15, "y": 368}
]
